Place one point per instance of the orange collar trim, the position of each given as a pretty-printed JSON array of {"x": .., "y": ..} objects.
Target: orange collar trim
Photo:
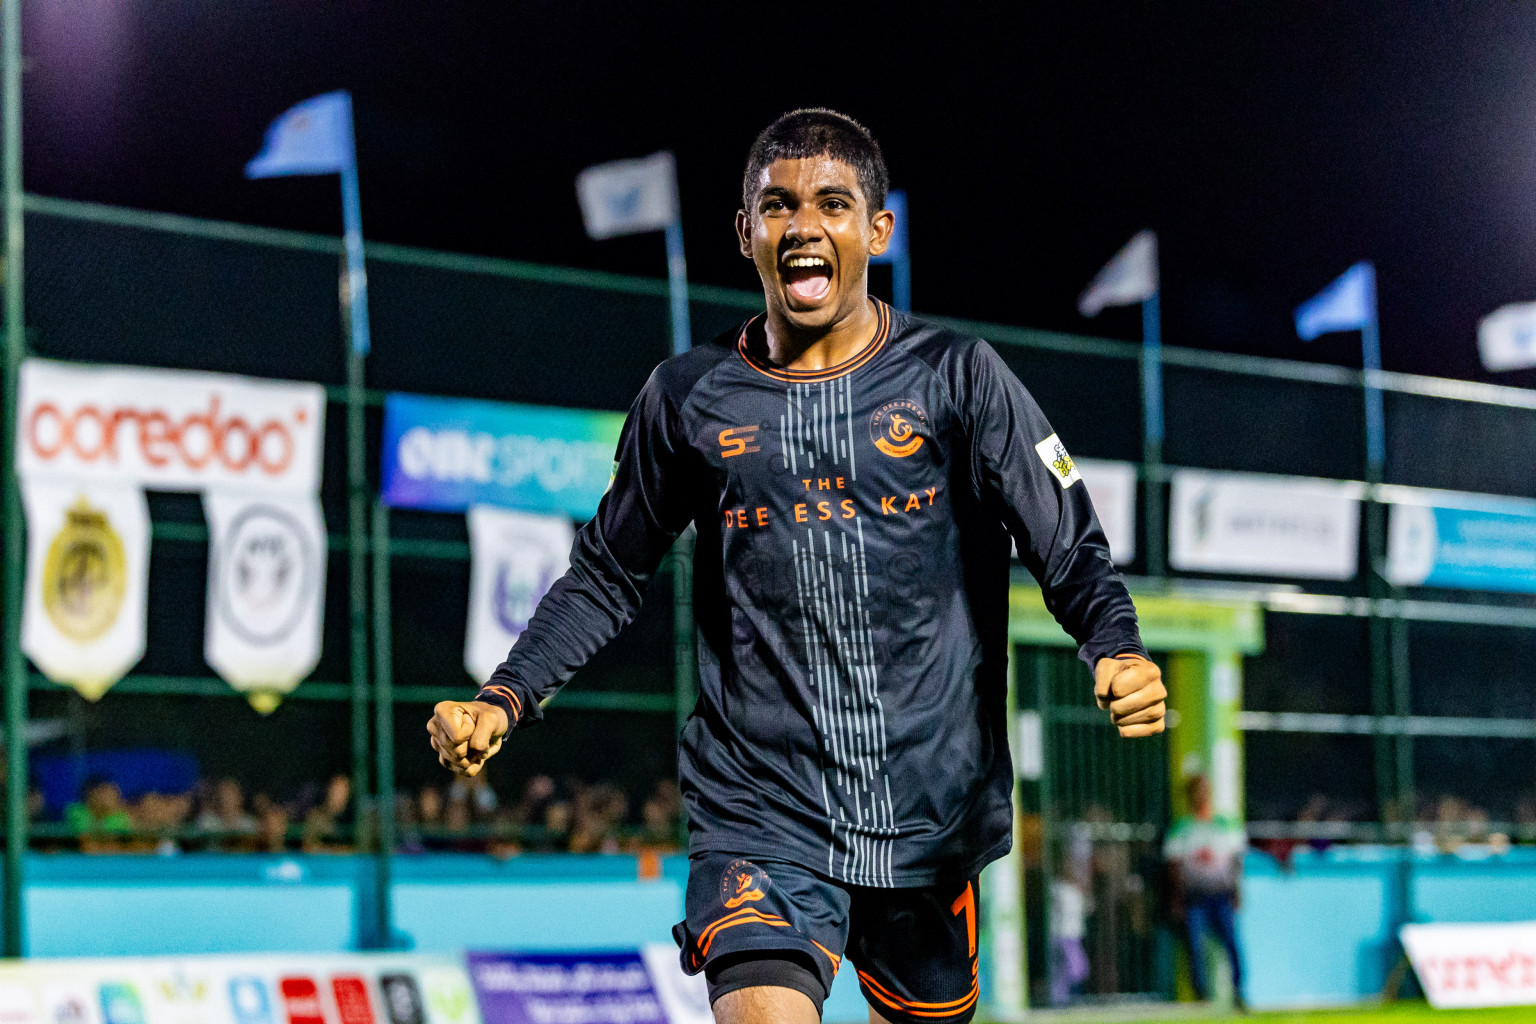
[{"x": 882, "y": 332}]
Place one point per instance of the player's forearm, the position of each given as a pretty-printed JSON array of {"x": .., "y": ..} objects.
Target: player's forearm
[{"x": 1088, "y": 598}]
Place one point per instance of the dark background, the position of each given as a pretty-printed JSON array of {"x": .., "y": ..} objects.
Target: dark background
[{"x": 1270, "y": 145}]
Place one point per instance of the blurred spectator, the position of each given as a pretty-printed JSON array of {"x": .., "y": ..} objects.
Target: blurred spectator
[
  {"x": 271, "y": 827},
  {"x": 158, "y": 819},
  {"x": 225, "y": 816},
  {"x": 1205, "y": 866},
  {"x": 1069, "y": 925},
  {"x": 597, "y": 813},
  {"x": 324, "y": 825},
  {"x": 101, "y": 820}
]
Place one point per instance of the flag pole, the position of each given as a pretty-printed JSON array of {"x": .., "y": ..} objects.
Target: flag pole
[
  {"x": 677, "y": 285},
  {"x": 354, "y": 314},
  {"x": 1152, "y": 428}
]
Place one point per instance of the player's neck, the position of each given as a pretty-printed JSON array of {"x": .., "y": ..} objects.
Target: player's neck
[{"x": 838, "y": 342}]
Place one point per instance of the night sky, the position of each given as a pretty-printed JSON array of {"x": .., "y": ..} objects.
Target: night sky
[{"x": 1269, "y": 144}]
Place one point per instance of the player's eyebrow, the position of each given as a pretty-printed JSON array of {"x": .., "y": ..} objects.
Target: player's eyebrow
[{"x": 835, "y": 190}]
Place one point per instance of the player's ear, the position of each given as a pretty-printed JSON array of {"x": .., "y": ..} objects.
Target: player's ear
[
  {"x": 744, "y": 232},
  {"x": 881, "y": 226}
]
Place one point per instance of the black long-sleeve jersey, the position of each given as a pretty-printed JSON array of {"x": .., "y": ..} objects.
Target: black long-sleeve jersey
[{"x": 850, "y": 588}]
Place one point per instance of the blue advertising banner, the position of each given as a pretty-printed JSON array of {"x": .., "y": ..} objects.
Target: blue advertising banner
[
  {"x": 446, "y": 454},
  {"x": 540, "y": 988},
  {"x": 1452, "y": 547}
]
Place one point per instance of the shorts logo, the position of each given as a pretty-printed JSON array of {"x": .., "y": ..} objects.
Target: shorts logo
[
  {"x": 743, "y": 882},
  {"x": 895, "y": 428},
  {"x": 1054, "y": 454}
]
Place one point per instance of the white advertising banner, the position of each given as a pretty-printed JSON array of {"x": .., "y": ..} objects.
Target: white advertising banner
[
  {"x": 171, "y": 430},
  {"x": 1470, "y": 965},
  {"x": 87, "y": 574},
  {"x": 1112, "y": 486},
  {"x": 383, "y": 988},
  {"x": 1263, "y": 525},
  {"x": 514, "y": 559},
  {"x": 266, "y": 591}
]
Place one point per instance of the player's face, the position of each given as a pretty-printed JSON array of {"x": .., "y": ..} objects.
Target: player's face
[{"x": 811, "y": 234}]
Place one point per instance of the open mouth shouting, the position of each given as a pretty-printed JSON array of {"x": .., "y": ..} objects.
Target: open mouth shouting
[{"x": 807, "y": 278}]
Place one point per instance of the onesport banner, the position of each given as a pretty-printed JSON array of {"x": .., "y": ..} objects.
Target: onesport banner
[
  {"x": 1453, "y": 547},
  {"x": 171, "y": 430},
  {"x": 623, "y": 987},
  {"x": 448, "y": 454},
  {"x": 514, "y": 559},
  {"x": 1264, "y": 525},
  {"x": 87, "y": 573},
  {"x": 325, "y": 989},
  {"x": 1112, "y": 486},
  {"x": 266, "y": 591},
  {"x": 1469, "y": 965}
]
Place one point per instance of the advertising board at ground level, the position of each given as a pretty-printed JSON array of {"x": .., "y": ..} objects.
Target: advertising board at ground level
[
  {"x": 447, "y": 454},
  {"x": 284, "y": 989},
  {"x": 1469, "y": 965},
  {"x": 170, "y": 430}
]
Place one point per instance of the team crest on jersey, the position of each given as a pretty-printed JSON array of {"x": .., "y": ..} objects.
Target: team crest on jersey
[
  {"x": 743, "y": 882},
  {"x": 896, "y": 428}
]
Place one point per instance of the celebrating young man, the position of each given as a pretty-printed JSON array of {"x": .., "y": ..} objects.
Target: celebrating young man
[{"x": 855, "y": 475}]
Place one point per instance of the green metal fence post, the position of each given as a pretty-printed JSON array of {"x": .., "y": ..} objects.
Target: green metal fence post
[
  {"x": 383, "y": 727},
  {"x": 15, "y": 555},
  {"x": 357, "y": 553}
]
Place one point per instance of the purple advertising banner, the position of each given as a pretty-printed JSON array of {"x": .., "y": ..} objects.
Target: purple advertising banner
[{"x": 565, "y": 988}]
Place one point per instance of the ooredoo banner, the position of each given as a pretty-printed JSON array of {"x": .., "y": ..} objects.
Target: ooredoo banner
[
  {"x": 1470, "y": 965},
  {"x": 172, "y": 430},
  {"x": 1264, "y": 525},
  {"x": 447, "y": 454},
  {"x": 266, "y": 591},
  {"x": 82, "y": 619},
  {"x": 514, "y": 559}
]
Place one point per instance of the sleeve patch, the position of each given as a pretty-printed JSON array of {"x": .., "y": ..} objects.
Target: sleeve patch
[{"x": 1054, "y": 454}]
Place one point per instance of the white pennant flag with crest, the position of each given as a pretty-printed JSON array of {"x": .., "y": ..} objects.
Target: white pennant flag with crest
[
  {"x": 626, "y": 197},
  {"x": 266, "y": 591},
  {"x": 515, "y": 558},
  {"x": 87, "y": 579},
  {"x": 1130, "y": 277}
]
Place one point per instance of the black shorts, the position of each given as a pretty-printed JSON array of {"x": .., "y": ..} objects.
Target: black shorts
[{"x": 914, "y": 949}]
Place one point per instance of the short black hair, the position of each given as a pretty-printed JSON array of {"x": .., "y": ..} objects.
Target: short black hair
[{"x": 817, "y": 131}]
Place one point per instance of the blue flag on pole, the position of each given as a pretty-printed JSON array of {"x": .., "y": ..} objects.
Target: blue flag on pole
[
  {"x": 1348, "y": 304},
  {"x": 313, "y": 137}
]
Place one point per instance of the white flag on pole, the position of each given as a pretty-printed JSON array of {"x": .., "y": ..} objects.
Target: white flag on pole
[
  {"x": 626, "y": 197},
  {"x": 1506, "y": 338},
  {"x": 514, "y": 559},
  {"x": 266, "y": 591},
  {"x": 87, "y": 578},
  {"x": 1130, "y": 277}
]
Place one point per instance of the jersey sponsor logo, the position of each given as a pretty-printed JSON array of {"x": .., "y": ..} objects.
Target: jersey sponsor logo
[
  {"x": 85, "y": 574},
  {"x": 895, "y": 428},
  {"x": 743, "y": 882},
  {"x": 738, "y": 441},
  {"x": 1054, "y": 454}
]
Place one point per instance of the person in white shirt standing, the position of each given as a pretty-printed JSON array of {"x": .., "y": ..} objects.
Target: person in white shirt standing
[{"x": 1204, "y": 852}]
